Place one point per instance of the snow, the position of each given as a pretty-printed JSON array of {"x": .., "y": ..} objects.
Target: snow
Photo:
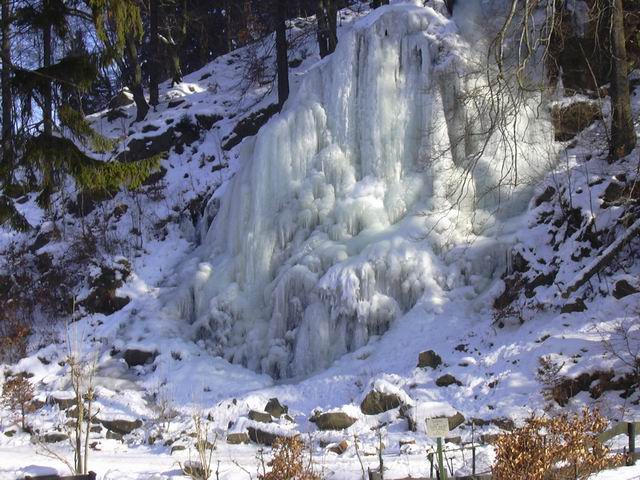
[{"x": 345, "y": 262}]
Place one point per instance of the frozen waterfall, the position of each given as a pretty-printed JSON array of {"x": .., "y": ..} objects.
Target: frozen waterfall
[{"x": 317, "y": 246}]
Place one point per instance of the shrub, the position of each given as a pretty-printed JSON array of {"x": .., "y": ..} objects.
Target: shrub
[
  {"x": 562, "y": 447},
  {"x": 17, "y": 394},
  {"x": 288, "y": 461}
]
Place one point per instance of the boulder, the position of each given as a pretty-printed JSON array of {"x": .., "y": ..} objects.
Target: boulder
[
  {"x": 275, "y": 408},
  {"x": 123, "y": 427},
  {"x": 238, "y": 438},
  {"x": 569, "y": 120},
  {"x": 378, "y": 402},
  {"x": 339, "y": 448},
  {"x": 429, "y": 359},
  {"x": 249, "y": 126},
  {"x": 446, "y": 380},
  {"x": 406, "y": 412},
  {"x": 122, "y": 99},
  {"x": 44, "y": 237},
  {"x": 135, "y": 357},
  {"x": 261, "y": 417},
  {"x": 206, "y": 122},
  {"x": 55, "y": 437},
  {"x": 623, "y": 289},
  {"x": 115, "y": 114},
  {"x": 103, "y": 298},
  {"x": 545, "y": 196},
  {"x": 63, "y": 403},
  {"x": 455, "y": 420},
  {"x": 261, "y": 437},
  {"x": 333, "y": 421},
  {"x": 575, "y": 306}
]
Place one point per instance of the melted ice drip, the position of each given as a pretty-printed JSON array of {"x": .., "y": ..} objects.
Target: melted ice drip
[{"x": 317, "y": 246}]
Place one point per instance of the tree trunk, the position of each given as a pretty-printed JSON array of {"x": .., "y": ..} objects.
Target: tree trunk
[
  {"x": 7, "y": 94},
  {"x": 378, "y": 3},
  {"x": 323, "y": 28},
  {"x": 623, "y": 136},
  {"x": 47, "y": 100},
  {"x": 332, "y": 17},
  {"x": 154, "y": 70},
  {"x": 135, "y": 78},
  {"x": 281, "y": 52},
  {"x": 228, "y": 25}
]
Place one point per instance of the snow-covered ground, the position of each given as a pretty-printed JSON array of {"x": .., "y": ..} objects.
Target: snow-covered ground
[{"x": 356, "y": 218}]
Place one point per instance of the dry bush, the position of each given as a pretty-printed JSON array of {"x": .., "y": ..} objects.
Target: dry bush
[
  {"x": 202, "y": 468},
  {"x": 17, "y": 395},
  {"x": 288, "y": 461},
  {"x": 558, "y": 448}
]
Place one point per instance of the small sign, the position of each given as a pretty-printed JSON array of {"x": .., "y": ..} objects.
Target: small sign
[{"x": 437, "y": 427}]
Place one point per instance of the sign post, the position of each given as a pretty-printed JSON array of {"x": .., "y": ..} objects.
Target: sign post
[{"x": 438, "y": 428}]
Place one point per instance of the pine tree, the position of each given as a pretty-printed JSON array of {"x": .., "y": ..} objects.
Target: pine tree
[{"x": 119, "y": 26}]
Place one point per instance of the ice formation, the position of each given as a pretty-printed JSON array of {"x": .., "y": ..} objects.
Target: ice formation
[{"x": 318, "y": 245}]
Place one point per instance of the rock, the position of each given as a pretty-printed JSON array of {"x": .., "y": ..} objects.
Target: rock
[
  {"x": 377, "y": 402},
  {"x": 406, "y": 412},
  {"x": 177, "y": 448},
  {"x": 429, "y": 359},
  {"x": 576, "y": 306},
  {"x": 150, "y": 128},
  {"x": 456, "y": 420},
  {"x": 115, "y": 114},
  {"x": 447, "y": 380},
  {"x": 135, "y": 357},
  {"x": 333, "y": 421},
  {"x": 261, "y": 417},
  {"x": 571, "y": 119},
  {"x": 249, "y": 126},
  {"x": 614, "y": 192},
  {"x": 44, "y": 237},
  {"x": 175, "y": 103},
  {"x": 54, "y": 437},
  {"x": 545, "y": 196},
  {"x": 340, "y": 448},
  {"x": 623, "y": 289},
  {"x": 103, "y": 298},
  {"x": 63, "y": 403},
  {"x": 123, "y": 427},
  {"x": 206, "y": 122},
  {"x": 275, "y": 408},
  {"x": 263, "y": 438},
  {"x": 146, "y": 147},
  {"x": 114, "y": 436},
  {"x": 237, "y": 438},
  {"x": 122, "y": 99}
]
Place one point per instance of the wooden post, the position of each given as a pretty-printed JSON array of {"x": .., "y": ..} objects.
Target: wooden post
[
  {"x": 631, "y": 432},
  {"x": 473, "y": 459},
  {"x": 441, "y": 470}
]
